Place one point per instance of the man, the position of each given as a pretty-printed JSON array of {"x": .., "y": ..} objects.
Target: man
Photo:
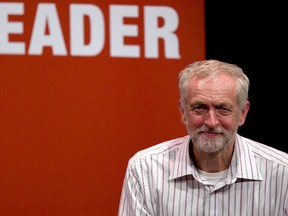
[{"x": 213, "y": 170}]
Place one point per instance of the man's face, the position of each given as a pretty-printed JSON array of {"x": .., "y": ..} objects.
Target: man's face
[{"x": 211, "y": 114}]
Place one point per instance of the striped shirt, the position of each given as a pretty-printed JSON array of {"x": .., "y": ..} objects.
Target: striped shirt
[{"x": 162, "y": 181}]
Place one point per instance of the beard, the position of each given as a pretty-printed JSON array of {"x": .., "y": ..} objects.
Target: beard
[{"x": 212, "y": 144}]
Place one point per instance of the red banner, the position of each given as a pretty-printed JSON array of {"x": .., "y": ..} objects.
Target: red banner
[{"x": 83, "y": 87}]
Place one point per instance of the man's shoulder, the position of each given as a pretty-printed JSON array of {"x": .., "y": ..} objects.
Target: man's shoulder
[
  {"x": 265, "y": 151},
  {"x": 160, "y": 148}
]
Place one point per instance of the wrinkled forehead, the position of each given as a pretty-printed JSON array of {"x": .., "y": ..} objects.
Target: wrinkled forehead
[
  {"x": 220, "y": 80},
  {"x": 213, "y": 87}
]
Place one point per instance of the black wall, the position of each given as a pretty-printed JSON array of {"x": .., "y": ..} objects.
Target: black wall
[{"x": 253, "y": 37}]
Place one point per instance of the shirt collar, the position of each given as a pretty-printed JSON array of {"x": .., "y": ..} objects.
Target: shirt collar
[
  {"x": 183, "y": 165},
  {"x": 243, "y": 163}
]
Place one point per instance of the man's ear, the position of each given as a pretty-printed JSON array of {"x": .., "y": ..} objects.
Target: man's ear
[
  {"x": 244, "y": 113},
  {"x": 182, "y": 113}
]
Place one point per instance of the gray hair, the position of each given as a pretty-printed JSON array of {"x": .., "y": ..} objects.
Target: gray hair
[{"x": 206, "y": 68}]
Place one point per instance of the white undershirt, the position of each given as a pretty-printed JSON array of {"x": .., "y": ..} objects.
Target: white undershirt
[{"x": 212, "y": 178}]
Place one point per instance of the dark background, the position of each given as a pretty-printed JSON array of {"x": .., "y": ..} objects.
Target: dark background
[{"x": 252, "y": 36}]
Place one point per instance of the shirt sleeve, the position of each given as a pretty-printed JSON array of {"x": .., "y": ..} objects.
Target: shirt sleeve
[
  {"x": 133, "y": 201},
  {"x": 286, "y": 206}
]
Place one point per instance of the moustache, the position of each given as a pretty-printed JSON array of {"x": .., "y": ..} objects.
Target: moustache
[{"x": 210, "y": 130}]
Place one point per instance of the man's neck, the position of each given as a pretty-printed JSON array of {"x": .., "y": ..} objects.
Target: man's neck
[{"x": 211, "y": 162}]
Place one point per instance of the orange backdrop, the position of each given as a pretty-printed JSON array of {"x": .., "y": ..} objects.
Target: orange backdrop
[{"x": 70, "y": 122}]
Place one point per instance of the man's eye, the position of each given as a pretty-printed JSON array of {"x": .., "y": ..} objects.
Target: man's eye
[
  {"x": 224, "y": 111},
  {"x": 199, "y": 109}
]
